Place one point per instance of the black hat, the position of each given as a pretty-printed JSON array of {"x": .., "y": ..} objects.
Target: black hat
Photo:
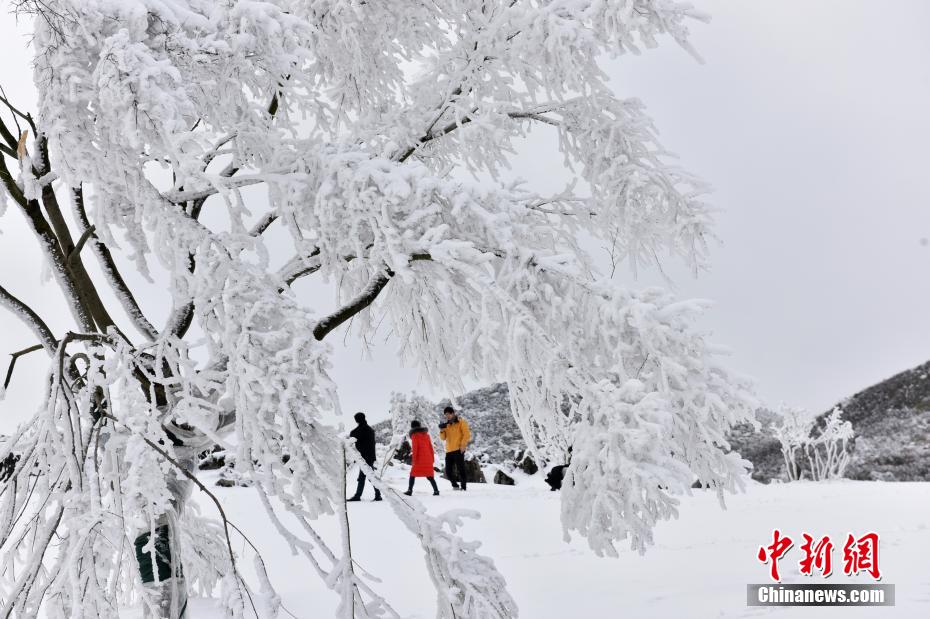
[
  {"x": 359, "y": 417},
  {"x": 415, "y": 424}
]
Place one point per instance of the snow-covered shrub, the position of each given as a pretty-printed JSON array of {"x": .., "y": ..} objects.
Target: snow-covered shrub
[
  {"x": 824, "y": 444},
  {"x": 793, "y": 433},
  {"x": 404, "y": 409},
  {"x": 828, "y": 452}
]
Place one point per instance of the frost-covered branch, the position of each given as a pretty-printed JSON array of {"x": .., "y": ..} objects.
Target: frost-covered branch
[
  {"x": 30, "y": 318},
  {"x": 109, "y": 268}
]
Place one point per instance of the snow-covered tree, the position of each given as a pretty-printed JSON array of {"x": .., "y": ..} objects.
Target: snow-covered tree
[
  {"x": 828, "y": 451},
  {"x": 793, "y": 433},
  {"x": 404, "y": 409},
  {"x": 824, "y": 443},
  {"x": 183, "y": 133}
]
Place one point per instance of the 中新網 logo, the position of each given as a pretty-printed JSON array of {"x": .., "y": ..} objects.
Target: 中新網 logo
[{"x": 860, "y": 555}]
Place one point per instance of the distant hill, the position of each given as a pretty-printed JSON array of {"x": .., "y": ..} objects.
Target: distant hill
[
  {"x": 891, "y": 420},
  {"x": 892, "y": 424}
]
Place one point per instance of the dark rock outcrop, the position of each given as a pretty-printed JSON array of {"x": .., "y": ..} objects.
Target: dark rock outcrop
[
  {"x": 503, "y": 479},
  {"x": 212, "y": 460},
  {"x": 528, "y": 465},
  {"x": 473, "y": 472}
]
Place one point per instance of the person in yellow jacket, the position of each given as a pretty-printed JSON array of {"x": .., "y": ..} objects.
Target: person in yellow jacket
[{"x": 456, "y": 433}]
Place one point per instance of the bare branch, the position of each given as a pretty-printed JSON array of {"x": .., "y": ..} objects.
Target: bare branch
[
  {"x": 80, "y": 244},
  {"x": 14, "y": 356},
  {"x": 452, "y": 126},
  {"x": 31, "y": 318},
  {"x": 16, "y": 112}
]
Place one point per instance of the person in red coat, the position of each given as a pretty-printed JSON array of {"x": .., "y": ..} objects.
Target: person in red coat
[{"x": 422, "y": 459}]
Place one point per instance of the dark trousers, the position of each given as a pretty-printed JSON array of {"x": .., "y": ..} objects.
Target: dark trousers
[
  {"x": 455, "y": 468},
  {"x": 361, "y": 483},
  {"x": 431, "y": 480}
]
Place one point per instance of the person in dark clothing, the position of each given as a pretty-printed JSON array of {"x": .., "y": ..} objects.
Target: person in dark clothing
[
  {"x": 456, "y": 433},
  {"x": 557, "y": 474},
  {"x": 422, "y": 457},
  {"x": 364, "y": 437},
  {"x": 555, "y": 477},
  {"x": 8, "y": 466}
]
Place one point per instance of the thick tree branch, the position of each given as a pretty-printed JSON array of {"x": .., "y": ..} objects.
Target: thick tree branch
[
  {"x": 110, "y": 270},
  {"x": 35, "y": 323},
  {"x": 10, "y": 184},
  {"x": 10, "y": 147},
  {"x": 364, "y": 299},
  {"x": 301, "y": 266},
  {"x": 51, "y": 247},
  {"x": 359, "y": 303},
  {"x": 75, "y": 266}
]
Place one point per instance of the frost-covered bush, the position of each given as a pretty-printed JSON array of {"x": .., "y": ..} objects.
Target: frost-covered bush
[
  {"x": 824, "y": 444},
  {"x": 242, "y": 146},
  {"x": 793, "y": 433},
  {"x": 828, "y": 452}
]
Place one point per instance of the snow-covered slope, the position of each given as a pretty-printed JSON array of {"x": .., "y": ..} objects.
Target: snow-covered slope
[
  {"x": 698, "y": 568},
  {"x": 892, "y": 423},
  {"x": 891, "y": 420}
]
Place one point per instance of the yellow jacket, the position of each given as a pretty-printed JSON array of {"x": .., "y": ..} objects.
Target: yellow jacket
[{"x": 456, "y": 435}]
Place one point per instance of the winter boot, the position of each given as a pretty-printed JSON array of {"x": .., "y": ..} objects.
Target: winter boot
[{"x": 358, "y": 490}]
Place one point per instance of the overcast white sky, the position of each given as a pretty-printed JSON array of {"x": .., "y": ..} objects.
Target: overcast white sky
[{"x": 810, "y": 119}]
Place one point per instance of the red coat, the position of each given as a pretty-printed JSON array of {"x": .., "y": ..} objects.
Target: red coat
[{"x": 422, "y": 459}]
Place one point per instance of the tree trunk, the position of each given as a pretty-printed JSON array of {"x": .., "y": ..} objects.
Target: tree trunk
[{"x": 164, "y": 580}]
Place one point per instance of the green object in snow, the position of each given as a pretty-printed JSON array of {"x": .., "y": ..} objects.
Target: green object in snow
[{"x": 162, "y": 555}]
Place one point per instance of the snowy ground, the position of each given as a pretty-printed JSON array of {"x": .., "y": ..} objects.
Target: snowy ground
[{"x": 699, "y": 566}]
